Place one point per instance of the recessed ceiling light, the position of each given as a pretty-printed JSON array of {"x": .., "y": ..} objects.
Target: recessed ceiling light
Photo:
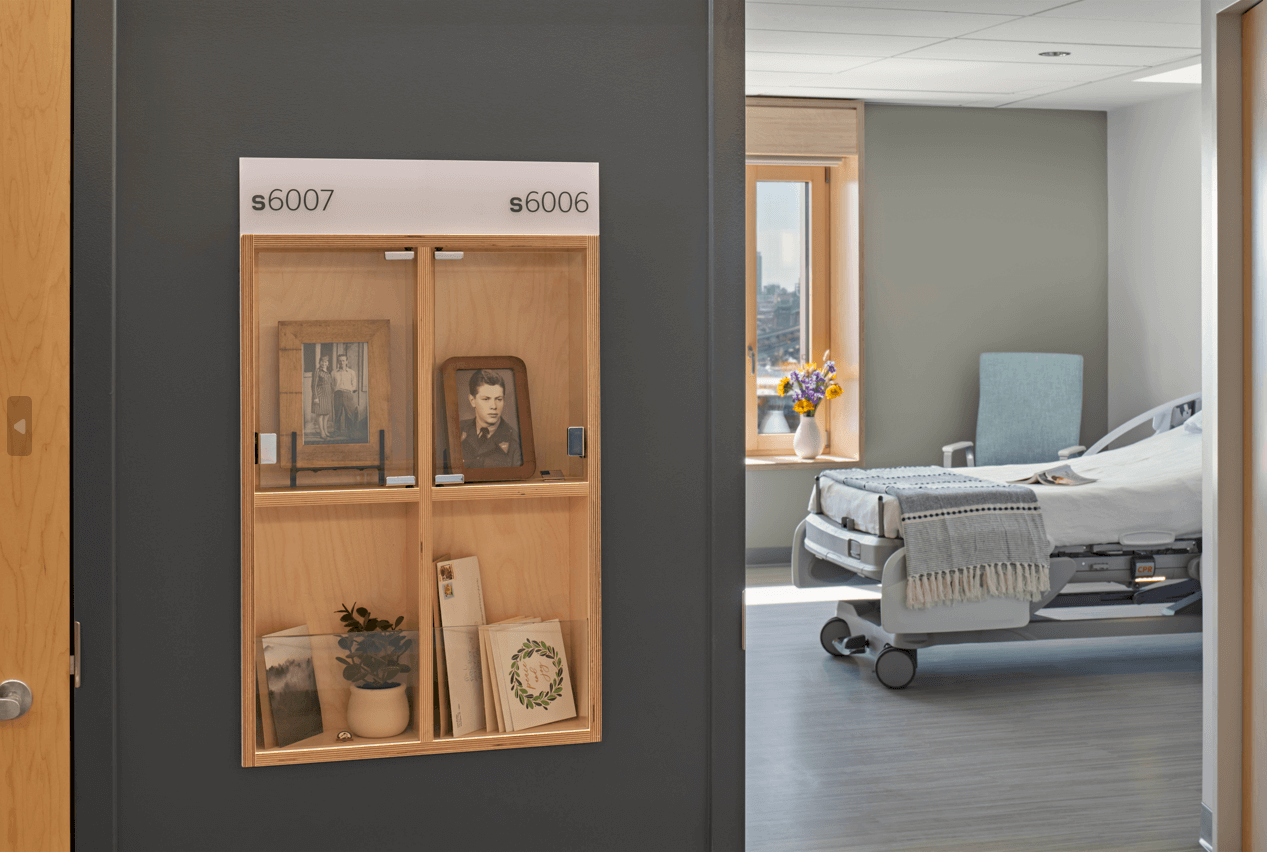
[
  {"x": 1191, "y": 74},
  {"x": 1055, "y": 53}
]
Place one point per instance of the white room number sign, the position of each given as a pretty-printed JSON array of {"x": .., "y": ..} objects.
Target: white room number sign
[{"x": 331, "y": 196}]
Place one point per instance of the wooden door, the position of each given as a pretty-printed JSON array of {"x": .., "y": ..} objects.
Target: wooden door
[{"x": 35, "y": 388}]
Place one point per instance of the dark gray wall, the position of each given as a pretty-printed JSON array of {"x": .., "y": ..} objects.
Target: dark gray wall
[
  {"x": 92, "y": 419},
  {"x": 984, "y": 230},
  {"x": 649, "y": 90}
]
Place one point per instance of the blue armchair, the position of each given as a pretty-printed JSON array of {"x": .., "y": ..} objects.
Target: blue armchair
[{"x": 1030, "y": 409}]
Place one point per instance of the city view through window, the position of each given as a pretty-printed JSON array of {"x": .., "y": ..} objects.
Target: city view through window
[{"x": 782, "y": 313}]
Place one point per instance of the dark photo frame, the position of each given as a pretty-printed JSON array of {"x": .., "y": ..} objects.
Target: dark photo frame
[{"x": 489, "y": 418}]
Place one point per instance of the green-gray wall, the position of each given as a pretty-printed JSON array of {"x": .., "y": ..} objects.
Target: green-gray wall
[
  {"x": 983, "y": 230},
  {"x": 1155, "y": 265}
]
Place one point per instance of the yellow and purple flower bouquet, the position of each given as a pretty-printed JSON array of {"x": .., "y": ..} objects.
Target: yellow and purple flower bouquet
[{"x": 809, "y": 386}]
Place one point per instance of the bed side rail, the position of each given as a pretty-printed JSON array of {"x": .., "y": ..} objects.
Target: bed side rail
[{"x": 1179, "y": 410}]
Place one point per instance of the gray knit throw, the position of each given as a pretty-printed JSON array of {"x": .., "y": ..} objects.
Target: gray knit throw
[{"x": 967, "y": 539}]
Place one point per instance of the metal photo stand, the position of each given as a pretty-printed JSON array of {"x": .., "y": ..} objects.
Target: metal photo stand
[{"x": 381, "y": 467}]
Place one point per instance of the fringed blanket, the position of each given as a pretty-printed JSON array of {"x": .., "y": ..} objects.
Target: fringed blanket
[{"x": 966, "y": 539}]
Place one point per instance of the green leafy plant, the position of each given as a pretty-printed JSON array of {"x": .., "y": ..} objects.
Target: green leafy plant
[{"x": 374, "y": 647}]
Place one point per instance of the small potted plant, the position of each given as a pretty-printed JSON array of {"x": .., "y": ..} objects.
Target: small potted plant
[
  {"x": 377, "y": 704},
  {"x": 810, "y": 387}
]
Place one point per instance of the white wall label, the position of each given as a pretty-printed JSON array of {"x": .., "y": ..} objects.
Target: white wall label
[{"x": 329, "y": 196}]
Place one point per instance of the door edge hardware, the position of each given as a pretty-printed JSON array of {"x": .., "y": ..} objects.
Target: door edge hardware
[{"x": 74, "y": 655}]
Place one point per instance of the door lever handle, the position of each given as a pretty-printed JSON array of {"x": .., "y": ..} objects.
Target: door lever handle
[{"x": 15, "y": 699}]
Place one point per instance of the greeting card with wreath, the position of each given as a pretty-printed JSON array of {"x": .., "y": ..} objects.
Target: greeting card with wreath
[{"x": 532, "y": 674}]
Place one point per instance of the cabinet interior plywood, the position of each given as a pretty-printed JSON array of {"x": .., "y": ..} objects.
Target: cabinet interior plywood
[
  {"x": 337, "y": 285},
  {"x": 524, "y": 548},
  {"x": 311, "y": 559},
  {"x": 520, "y": 304}
]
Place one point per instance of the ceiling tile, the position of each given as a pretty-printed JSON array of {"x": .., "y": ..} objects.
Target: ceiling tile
[
  {"x": 988, "y": 7},
  {"x": 989, "y": 77},
  {"x": 789, "y": 78},
  {"x": 1027, "y": 51},
  {"x": 842, "y": 44},
  {"x": 1079, "y": 31},
  {"x": 1104, "y": 95},
  {"x": 866, "y": 21},
  {"x": 979, "y": 53},
  {"x": 870, "y": 95},
  {"x": 1155, "y": 11},
  {"x": 804, "y": 63}
]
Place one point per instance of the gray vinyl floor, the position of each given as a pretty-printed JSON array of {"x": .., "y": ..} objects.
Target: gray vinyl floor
[{"x": 1059, "y": 746}]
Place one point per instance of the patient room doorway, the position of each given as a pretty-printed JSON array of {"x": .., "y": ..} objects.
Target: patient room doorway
[{"x": 1048, "y": 733}]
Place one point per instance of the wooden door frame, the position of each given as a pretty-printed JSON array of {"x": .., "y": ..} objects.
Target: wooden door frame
[{"x": 1224, "y": 377}]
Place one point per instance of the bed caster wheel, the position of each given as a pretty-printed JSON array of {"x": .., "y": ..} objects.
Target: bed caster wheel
[
  {"x": 895, "y": 667},
  {"x": 834, "y": 630}
]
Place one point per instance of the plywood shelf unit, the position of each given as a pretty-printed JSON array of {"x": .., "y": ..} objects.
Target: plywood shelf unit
[{"x": 340, "y": 538}]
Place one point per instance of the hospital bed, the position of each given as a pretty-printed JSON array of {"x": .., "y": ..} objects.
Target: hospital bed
[{"x": 1131, "y": 539}]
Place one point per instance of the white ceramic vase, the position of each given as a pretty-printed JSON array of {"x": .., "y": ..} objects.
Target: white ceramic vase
[
  {"x": 381, "y": 712},
  {"x": 808, "y": 440}
]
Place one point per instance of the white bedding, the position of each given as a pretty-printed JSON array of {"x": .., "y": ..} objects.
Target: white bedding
[{"x": 1153, "y": 485}]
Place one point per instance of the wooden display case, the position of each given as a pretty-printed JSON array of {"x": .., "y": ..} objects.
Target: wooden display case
[{"x": 338, "y": 536}]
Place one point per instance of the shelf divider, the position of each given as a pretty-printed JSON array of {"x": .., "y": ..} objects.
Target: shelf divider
[{"x": 509, "y": 490}]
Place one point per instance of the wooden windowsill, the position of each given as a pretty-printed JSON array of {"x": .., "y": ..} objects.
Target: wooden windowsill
[{"x": 823, "y": 462}]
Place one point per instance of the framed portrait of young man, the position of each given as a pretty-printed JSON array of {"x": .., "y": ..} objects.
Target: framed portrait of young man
[{"x": 489, "y": 418}]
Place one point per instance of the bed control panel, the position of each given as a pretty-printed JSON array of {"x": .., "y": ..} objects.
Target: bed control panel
[{"x": 1144, "y": 570}]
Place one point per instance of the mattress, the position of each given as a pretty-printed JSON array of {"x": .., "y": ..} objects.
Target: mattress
[{"x": 1153, "y": 485}]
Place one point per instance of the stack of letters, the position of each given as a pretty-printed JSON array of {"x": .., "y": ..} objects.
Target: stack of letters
[{"x": 507, "y": 676}]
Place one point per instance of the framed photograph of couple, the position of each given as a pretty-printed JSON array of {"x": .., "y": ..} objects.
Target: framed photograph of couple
[
  {"x": 489, "y": 418},
  {"x": 335, "y": 389}
]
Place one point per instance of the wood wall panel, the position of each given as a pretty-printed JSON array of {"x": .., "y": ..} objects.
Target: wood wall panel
[{"x": 801, "y": 127}]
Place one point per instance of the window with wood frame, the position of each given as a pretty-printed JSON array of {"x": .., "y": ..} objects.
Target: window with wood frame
[{"x": 804, "y": 294}]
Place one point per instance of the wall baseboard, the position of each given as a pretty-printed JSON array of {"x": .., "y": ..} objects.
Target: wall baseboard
[{"x": 768, "y": 556}]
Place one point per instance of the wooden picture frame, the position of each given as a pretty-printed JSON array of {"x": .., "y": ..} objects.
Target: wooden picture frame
[
  {"x": 334, "y": 425},
  {"x": 492, "y": 457}
]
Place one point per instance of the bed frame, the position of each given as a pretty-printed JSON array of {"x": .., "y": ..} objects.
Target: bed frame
[{"x": 1138, "y": 570}]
